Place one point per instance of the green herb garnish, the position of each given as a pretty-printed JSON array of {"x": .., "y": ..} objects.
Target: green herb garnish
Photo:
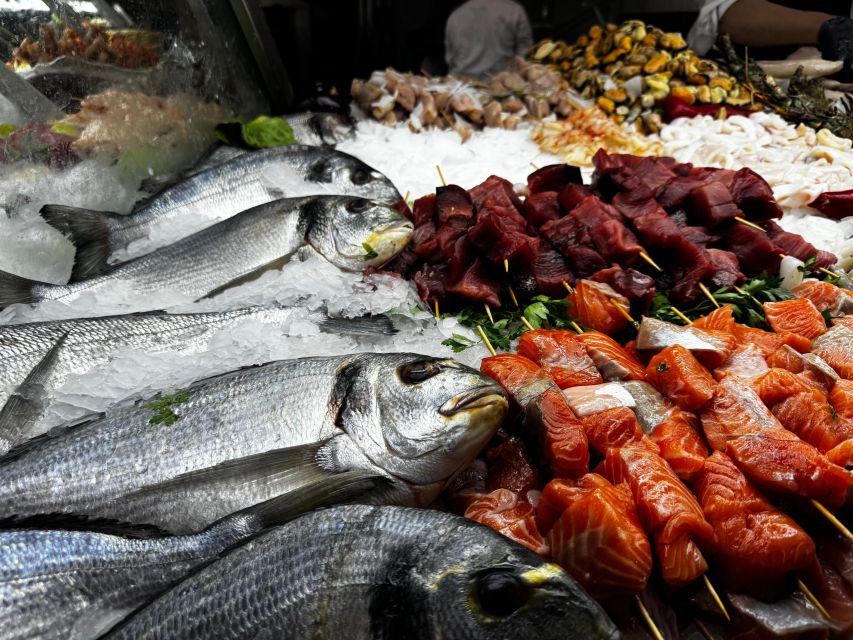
[
  {"x": 6, "y": 129},
  {"x": 458, "y": 343},
  {"x": 260, "y": 133},
  {"x": 164, "y": 414},
  {"x": 369, "y": 252}
]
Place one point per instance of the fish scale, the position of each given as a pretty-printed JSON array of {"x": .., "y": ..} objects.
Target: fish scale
[{"x": 366, "y": 572}]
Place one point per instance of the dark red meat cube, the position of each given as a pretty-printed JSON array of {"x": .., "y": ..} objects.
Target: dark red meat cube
[
  {"x": 476, "y": 283},
  {"x": 431, "y": 282},
  {"x": 498, "y": 238},
  {"x": 644, "y": 176},
  {"x": 449, "y": 232},
  {"x": 565, "y": 233},
  {"x": 511, "y": 467},
  {"x": 403, "y": 264},
  {"x": 700, "y": 236},
  {"x": 754, "y": 249},
  {"x": 553, "y": 178},
  {"x": 795, "y": 245},
  {"x": 836, "y": 205},
  {"x": 632, "y": 206},
  {"x": 753, "y": 195},
  {"x": 637, "y": 287},
  {"x": 572, "y": 196},
  {"x": 593, "y": 212},
  {"x": 676, "y": 192},
  {"x": 542, "y": 207},
  {"x": 615, "y": 242},
  {"x": 583, "y": 261},
  {"x": 508, "y": 215},
  {"x": 622, "y": 180},
  {"x": 402, "y": 207},
  {"x": 423, "y": 210},
  {"x": 712, "y": 204},
  {"x": 657, "y": 231},
  {"x": 451, "y": 202},
  {"x": 549, "y": 270},
  {"x": 498, "y": 191},
  {"x": 424, "y": 242},
  {"x": 726, "y": 268}
]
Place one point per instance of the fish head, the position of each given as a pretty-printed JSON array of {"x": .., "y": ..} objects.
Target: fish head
[
  {"x": 422, "y": 419},
  {"x": 477, "y": 584},
  {"x": 353, "y": 233},
  {"x": 347, "y": 174}
]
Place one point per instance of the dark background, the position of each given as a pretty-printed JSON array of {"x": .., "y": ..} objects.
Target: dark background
[{"x": 333, "y": 41}]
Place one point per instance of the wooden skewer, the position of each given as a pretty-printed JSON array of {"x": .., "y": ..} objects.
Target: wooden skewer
[
  {"x": 648, "y": 618},
  {"x": 716, "y": 597},
  {"x": 534, "y": 166},
  {"x": 681, "y": 315},
  {"x": 807, "y": 592},
  {"x": 441, "y": 175},
  {"x": 486, "y": 341},
  {"x": 749, "y": 224},
  {"x": 645, "y": 256},
  {"x": 512, "y": 295},
  {"x": 489, "y": 313},
  {"x": 624, "y": 312},
  {"x": 527, "y": 324},
  {"x": 708, "y": 295},
  {"x": 703, "y": 629},
  {"x": 437, "y": 315},
  {"x": 506, "y": 265},
  {"x": 744, "y": 293},
  {"x": 406, "y": 197},
  {"x": 568, "y": 287},
  {"x": 576, "y": 326},
  {"x": 828, "y": 272},
  {"x": 835, "y": 521}
]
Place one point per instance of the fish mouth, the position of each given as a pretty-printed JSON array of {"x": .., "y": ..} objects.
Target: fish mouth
[
  {"x": 387, "y": 241},
  {"x": 479, "y": 397}
]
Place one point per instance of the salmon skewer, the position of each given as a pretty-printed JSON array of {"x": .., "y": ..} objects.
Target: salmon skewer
[
  {"x": 595, "y": 534},
  {"x": 668, "y": 512},
  {"x": 561, "y": 355},
  {"x": 612, "y": 361},
  {"x": 506, "y": 513},
  {"x": 798, "y": 315},
  {"x": 835, "y": 347},
  {"x": 679, "y": 376},
  {"x": 825, "y": 295},
  {"x": 757, "y": 545},
  {"x": 592, "y": 306},
  {"x": 810, "y": 416},
  {"x": 710, "y": 346},
  {"x": 614, "y": 428}
]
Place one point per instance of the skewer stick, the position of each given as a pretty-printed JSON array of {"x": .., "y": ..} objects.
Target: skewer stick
[
  {"x": 749, "y": 224},
  {"x": 489, "y": 313},
  {"x": 703, "y": 629},
  {"x": 716, "y": 597},
  {"x": 828, "y": 272},
  {"x": 506, "y": 265},
  {"x": 835, "y": 521},
  {"x": 645, "y": 256},
  {"x": 568, "y": 287},
  {"x": 576, "y": 326},
  {"x": 441, "y": 175},
  {"x": 681, "y": 315},
  {"x": 512, "y": 295},
  {"x": 744, "y": 293},
  {"x": 534, "y": 167},
  {"x": 437, "y": 315},
  {"x": 708, "y": 295},
  {"x": 486, "y": 341},
  {"x": 527, "y": 324},
  {"x": 624, "y": 312},
  {"x": 807, "y": 592},
  {"x": 406, "y": 197},
  {"x": 648, "y": 618}
]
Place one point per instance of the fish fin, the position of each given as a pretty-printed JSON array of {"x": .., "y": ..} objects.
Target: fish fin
[
  {"x": 28, "y": 398},
  {"x": 379, "y": 325},
  {"x": 16, "y": 290},
  {"x": 33, "y": 443},
  {"x": 274, "y": 265},
  {"x": 88, "y": 231},
  {"x": 75, "y": 522}
]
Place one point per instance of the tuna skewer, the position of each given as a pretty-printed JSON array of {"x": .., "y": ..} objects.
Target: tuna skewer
[{"x": 749, "y": 224}]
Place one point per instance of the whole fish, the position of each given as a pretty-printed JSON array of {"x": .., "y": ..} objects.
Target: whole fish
[
  {"x": 182, "y": 460},
  {"x": 102, "y": 238},
  {"x": 36, "y": 359},
  {"x": 349, "y": 232},
  {"x": 65, "y": 578},
  {"x": 362, "y": 572}
]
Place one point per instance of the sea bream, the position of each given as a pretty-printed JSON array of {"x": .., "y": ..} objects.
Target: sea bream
[
  {"x": 362, "y": 572},
  {"x": 350, "y": 232},
  {"x": 37, "y": 359},
  {"x": 184, "y": 459},
  {"x": 103, "y": 238},
  {"x": 74, "y": 578}
]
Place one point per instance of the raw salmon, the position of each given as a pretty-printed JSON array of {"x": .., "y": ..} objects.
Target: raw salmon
[
  {"x": 710, "y": 346},
  {"x": 777, "y": 385},
  {"x": 798, "y": 315},
  {"x": 561, "y": 355},
  {"x": 679, "y": 376},
  {"x": 617, "y": 427},
  {"x": 592, "y": 306},
  {"x": 510, "y": 467},
  {"x": 769, "y": 342},
  {"x": 667, "y": 511},
  {"x": 785, "y": 358},
  {"x": 681, "y": 443},
  {"x": 521, "y": 378},
  {"x": 611, "y": 360},
  {"x": 844, "y": 321},
  {"x": 757, "y": 545},
  {"x": 835, "y": 347},
  {"x": 505, "y": 512},
  {"x": 824, "y": 295},
  {"x": 597, "y": 536},
  {"x": 841, "y": 398},
  {"x": 556, "y": 436},
  {"x": 720, "y": 319},
  {"x": 812, "y": 418},
  {"x": 746, "y": 362},
  {"x": 737, "y": 423}
]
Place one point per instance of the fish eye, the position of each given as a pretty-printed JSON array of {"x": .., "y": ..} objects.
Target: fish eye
[
  {"x": 359, "y": 205},
  {"x": 360, "y": 176},
  {"x": 418, "y": 371},
  {"x": 501, "y": 593}
]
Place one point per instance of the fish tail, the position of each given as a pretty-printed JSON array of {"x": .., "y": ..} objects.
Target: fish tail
[
  {"x": 16, "y": 290},
  {"x": 88, "y": 231},
  {"x": 379, "y": 325}
]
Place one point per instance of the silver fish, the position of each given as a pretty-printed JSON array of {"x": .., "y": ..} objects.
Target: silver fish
[
  {"x": 66, "y": 578},
  {"x": 361, "y": 572},
  {"x": 350, "y": 232},
  {"x": 36, "y": 359},
  {"x": 183, "y": 460},
  {"x": 103, "y": 238}
]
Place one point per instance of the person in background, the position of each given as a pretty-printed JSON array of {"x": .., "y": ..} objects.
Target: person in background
[
  {"x": 773, "y": 30},
  {"x": 483, "y": 36}
]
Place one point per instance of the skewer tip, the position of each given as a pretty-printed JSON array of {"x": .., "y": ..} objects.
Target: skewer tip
[
  {"x": 489, "y": 312},
  {"x": 512, "y": 295},
  {"x": 527, "y": 324},
  {"x": 833, "y": 520},
  {"x": 716, "y": 597},
  {"x": 624, "y": 312},
  {"x": 709, "y": 295},
  {"x": 568, "y": 287},
  {"x": 437, "y": 314},
  {"x": 576, "y": 327},
  {"x": 506, "y": 265},
  {"x": 645, "y": 256},
  {"x": 813, "y": 599},
  {"x": 486, "y": 340},
  {"x": 648, "y": 618},
  {"x": 683, "y": 317},
  {"x": 440, "y": 175},
  {"x": 750, "y": 224}
]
